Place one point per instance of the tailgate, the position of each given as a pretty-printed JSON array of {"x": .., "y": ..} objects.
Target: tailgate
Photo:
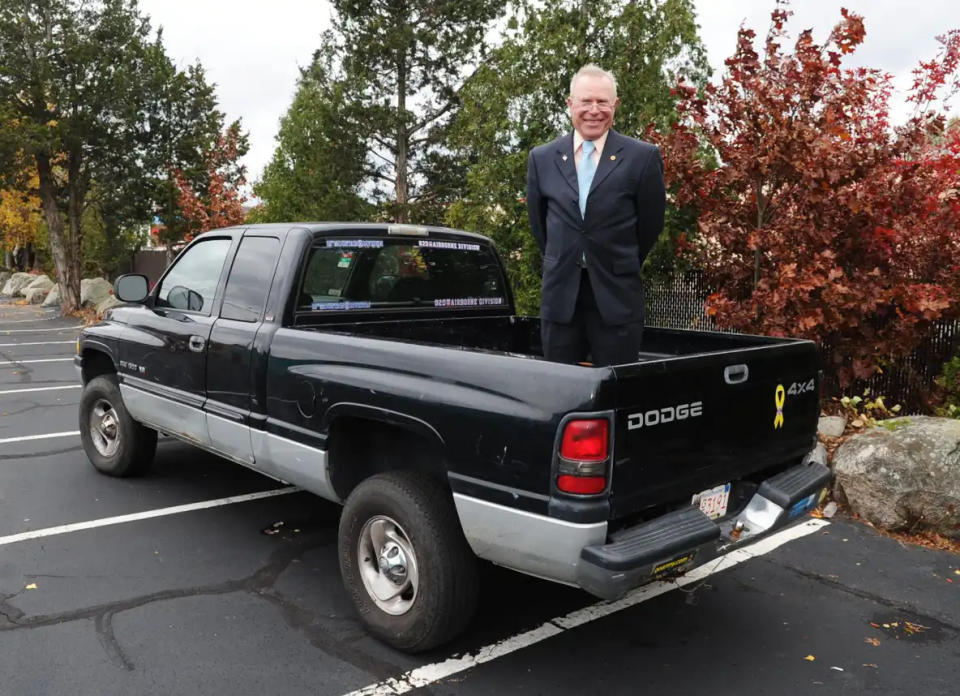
[{"x": 686, "y": 424}]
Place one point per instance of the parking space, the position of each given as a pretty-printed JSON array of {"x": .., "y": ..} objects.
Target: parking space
[{"x": 203, "y": 577}]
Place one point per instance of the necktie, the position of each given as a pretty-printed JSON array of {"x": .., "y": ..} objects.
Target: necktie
[{"x": 585, "y": 174}]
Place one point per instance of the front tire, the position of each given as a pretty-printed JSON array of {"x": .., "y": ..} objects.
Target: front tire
[
  {"x": 115, "y": 444},
  {"x": 405, "y": 562}
]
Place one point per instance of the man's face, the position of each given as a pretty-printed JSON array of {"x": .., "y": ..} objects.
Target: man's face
[{"x": 592, "y": 106}]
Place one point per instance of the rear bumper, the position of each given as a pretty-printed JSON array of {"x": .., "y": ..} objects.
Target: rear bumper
[{"x": 686, "y": 538}]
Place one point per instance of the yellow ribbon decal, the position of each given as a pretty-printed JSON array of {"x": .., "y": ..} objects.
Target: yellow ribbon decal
[{"x": 780, "y": 397}]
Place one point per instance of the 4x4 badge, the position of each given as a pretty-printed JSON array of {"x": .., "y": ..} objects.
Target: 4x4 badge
[{"x": 780, "y": 398}]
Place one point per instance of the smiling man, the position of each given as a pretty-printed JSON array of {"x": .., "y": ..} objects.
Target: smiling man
[{"x": 596, "y": 202}]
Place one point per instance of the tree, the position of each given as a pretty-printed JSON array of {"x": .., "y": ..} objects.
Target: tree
[
  {"x": 182, "y": 125},
  {"x": 517, "y": 100},
  {"x": 71, "y": 91},
  {"x": 822, "y": 221},
  {"x": 318, "y": 168},
  {"x": 220, "y": 203},
  {"x": 404, "y": 63},
  {"x": 20, "y": 216}
]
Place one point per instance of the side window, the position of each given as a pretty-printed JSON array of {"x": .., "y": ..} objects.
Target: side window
[
  {"x": 192, "y": 283},
  {"x": 250, "y": 276}
]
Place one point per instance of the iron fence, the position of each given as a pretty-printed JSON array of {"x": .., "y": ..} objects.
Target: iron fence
[{"x": 679, "y": 304}]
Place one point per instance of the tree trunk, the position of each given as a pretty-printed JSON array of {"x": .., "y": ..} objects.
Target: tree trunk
[
  {"x": 402, "y": 193},
  {"x": 65, "y": 258}
]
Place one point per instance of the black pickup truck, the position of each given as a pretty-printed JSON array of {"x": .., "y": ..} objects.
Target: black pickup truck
[{"x": 383, "y": 367}]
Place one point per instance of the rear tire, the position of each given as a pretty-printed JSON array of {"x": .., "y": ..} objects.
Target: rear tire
[
  {"x": 399, "y": 533},
  {"x": 115, "y": 444}
]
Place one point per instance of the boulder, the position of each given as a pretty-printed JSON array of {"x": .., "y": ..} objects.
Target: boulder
[
  {"x": 16, "y": 282},
  {"x": 35, "y": 295},
  {"x": 832, "y": 426},
  {"x": 93, "y": 291},
  {"x": 4, "y": 277},
  {"x": 904, "y": 474},
  {"x": 53, "y": 297},
  {"x": 105, "y": 304},
  {"x": 39, "y": 283}
]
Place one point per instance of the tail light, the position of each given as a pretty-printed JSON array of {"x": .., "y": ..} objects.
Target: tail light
[{"x": 584, "y": 451}]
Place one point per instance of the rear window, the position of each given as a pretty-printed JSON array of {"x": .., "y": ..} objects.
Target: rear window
[{"x": 355, "y": 274}]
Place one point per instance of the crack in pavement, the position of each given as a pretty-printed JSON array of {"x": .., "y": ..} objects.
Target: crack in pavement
[
  {"x": 260, "y": 584},
  {"x": 863, "y": 594}
]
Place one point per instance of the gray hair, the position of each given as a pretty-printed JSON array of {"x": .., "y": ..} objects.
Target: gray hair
[{"x": 596, "y": 70}]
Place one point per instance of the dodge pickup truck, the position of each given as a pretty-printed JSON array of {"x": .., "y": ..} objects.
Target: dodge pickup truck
[{"x": 383, "y": 367}]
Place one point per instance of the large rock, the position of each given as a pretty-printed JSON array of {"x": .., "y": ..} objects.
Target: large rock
[
  {"x": 105, "y": 304},
  {"x": 39, "y": 283},
  {"x": 904, "y": 474},
  {"x": 16, "y": 282},
  {"x": 4, "y": 277},
  {"x": 53, "y": 297},
  {"x": 832, "y": 426},
  {"x": 93, "y": 291},
  {"x": 35, "y": 295}
]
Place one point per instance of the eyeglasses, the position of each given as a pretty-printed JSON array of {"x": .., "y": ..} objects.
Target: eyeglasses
[{"x": 589, "y": 104}]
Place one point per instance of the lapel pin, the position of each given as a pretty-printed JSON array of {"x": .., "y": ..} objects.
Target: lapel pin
[
  {"x": 564, "y": 158},
  {"x": 613, "y": 157}
]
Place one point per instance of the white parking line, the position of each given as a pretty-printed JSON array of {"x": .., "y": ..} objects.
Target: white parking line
[
  {"x": 146, "y": 515},
  {"x": 430, "y": 674},
  {"x": 27, "y": 362},
  {"x": 24, "y": 438},
  {"x": 27, "y": 321},
  {"x": 64, "y": 328},
  {"x": 37, "y": 343},
  {"x": 36, "y": 389}
]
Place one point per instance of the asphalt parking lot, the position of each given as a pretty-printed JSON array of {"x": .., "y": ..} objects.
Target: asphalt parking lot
[{"x": 205, "y": 578}]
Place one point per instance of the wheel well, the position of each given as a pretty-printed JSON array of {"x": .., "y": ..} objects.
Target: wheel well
[
  {"x": 96, "y": 363},
  {"x": 361, "y": 447}
]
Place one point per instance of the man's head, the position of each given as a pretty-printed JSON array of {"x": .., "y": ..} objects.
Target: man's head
[{"x": 592, "y": 101}]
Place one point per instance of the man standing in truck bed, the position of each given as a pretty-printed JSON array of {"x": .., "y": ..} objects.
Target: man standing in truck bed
[{"x": 596, "y": 202}]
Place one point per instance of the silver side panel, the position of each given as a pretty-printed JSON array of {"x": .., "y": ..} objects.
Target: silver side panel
[
  {"x": 290, "y": 461},
  {"x": 533, "y": 544},
  {"x": 231, "y": 438},
  {"x": 185, "y": 422}
]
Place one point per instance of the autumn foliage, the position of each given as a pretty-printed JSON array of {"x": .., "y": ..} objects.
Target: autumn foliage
[
  {"x": 221, "y": 205},
  {"x": 822, "y": 220}
]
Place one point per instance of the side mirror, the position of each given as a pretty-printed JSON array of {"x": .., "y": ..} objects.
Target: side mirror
[{"x": 132, "y": 287}]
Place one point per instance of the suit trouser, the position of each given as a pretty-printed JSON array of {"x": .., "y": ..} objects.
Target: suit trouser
[{"x": 588, "y": 337}]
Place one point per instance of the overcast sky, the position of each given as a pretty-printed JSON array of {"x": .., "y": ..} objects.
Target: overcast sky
[{"x": 253, "y": 50}]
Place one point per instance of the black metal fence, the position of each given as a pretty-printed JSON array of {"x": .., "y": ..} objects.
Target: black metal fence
[{"x": 679, "y": 302}]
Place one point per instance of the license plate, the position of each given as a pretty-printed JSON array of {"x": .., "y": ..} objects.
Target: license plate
[{"x": 713, "y": 501}]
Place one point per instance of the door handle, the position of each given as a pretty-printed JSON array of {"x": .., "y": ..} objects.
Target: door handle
[
  {"x": 735, "y": 374},
  {"x": 197, "y": 344}
]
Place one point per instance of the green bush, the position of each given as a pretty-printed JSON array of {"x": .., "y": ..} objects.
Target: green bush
[{"x": 949, "y": 381}]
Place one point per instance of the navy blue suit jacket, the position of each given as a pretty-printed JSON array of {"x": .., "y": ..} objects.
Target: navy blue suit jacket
[{"x": 624, "y": 217}]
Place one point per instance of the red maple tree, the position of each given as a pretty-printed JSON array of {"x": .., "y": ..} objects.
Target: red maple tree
[
  {"x": 221, "y": 205},
  {"x": 820, "y": 219}
]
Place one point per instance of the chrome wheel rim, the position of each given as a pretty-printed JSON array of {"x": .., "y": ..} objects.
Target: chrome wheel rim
[
  {"x": 104, "y": 428},
  {"x": 388, "y": 565}
]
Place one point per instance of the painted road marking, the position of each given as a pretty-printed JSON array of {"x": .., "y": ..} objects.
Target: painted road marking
[
  {"x": 36, "y": 389},
  {"x": 38, "y": 343},
  {"x": 24, "y": 438},
  {"x": 430, "y": 674},
  {"x": 27, "y": 362},
  {"x": 146, "y": 515},
  {"x": 65, "y": 328},
  {"x": 27, "y": 321}
]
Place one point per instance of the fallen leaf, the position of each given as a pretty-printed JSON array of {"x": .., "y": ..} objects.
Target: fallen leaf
[
  {"x": 869, "y": 664},
  {"x": 809, "y": 658},
  {"x": 956, "y": 572},
  {"x": 838, "y": 669},
  {"x": 31, "y": 586},
  {"x": 873, "y": 641},
  {"x": 874, "y": 625}
]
